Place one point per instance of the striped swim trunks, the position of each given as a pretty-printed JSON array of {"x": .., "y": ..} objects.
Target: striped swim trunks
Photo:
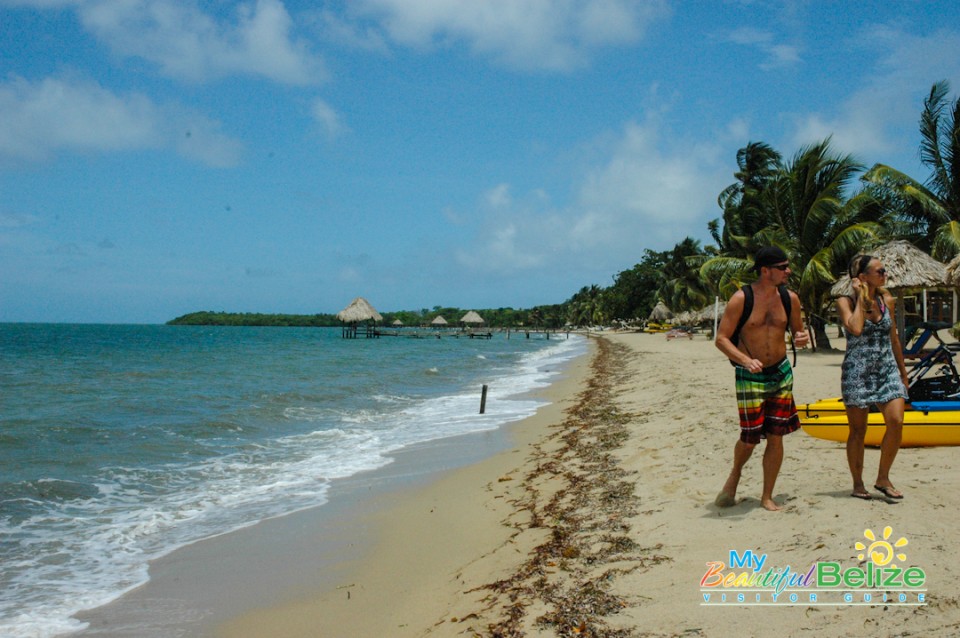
[{"x": 765, "y": 402}]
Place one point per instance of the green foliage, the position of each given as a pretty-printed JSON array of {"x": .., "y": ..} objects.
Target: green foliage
[
  {"x": 209, "y": 318},
  {"x": 549, "y": 317},
  {"x": 931, "y": 208}
]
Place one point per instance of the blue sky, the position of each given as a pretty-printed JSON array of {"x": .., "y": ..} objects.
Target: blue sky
[{"x": 163, "y": 156}]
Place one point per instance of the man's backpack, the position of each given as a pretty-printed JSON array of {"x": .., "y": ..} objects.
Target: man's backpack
[{"x": 748, "y": 308}]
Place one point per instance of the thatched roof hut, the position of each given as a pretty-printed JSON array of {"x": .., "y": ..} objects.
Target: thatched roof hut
[
  {"x": 686, "y": 318},
  {"x": 472, "y": 318},
  {"x": 953, "y": 272},
  {"x": 397, "y": 323},
  {"x": 711, "y": 312},
  {"x": 660, "y": 312},
  {"x": 907, "y": 267},
  {"x": 359, "y": 310},
  {"x": 438, "y": 322}
]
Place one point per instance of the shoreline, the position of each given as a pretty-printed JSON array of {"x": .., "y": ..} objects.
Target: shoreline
[
  {"x": 599, "y": 520},
  {"x": 202, "y": 585}
]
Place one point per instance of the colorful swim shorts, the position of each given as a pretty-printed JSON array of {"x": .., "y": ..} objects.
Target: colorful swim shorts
[{"x": 765, "y": 402}]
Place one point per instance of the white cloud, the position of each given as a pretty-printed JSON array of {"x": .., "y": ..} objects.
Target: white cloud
[
  {"x": 556, "y": 35},
  {"x": 39, "y": 4},
  {"x": 649, "y": 192},
  {"x": 189, "y": 44},
  {"x": 328, "y": 118},
  {"x": 16, "y": 220},
  {"x": 869, "y": 122},
  {"x": 777, "y": 55},
  {"x": 39, "y": 119},
  {"x": 352, "y": 34}
]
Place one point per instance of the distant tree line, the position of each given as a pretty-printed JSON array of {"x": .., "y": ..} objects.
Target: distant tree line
[
  {"x": 209, "y": 318},
  {"x": 546, "y": 317}
]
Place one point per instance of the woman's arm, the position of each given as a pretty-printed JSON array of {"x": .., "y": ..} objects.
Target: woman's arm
[{"x": 852, "y": 317}]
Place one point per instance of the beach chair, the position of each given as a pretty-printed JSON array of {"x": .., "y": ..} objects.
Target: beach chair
[
  {"x": 934, "y": 377},
  {"x": 914, "y": 342}
]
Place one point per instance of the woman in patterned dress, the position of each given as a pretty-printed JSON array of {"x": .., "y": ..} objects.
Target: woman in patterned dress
[{"x": 873, "y": 371}]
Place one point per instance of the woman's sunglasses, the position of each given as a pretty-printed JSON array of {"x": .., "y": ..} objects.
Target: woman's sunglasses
[{"x": 880, "y": 271}]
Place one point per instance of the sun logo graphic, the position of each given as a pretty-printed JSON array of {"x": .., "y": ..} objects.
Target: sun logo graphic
[{"x": 881, "y": 550}]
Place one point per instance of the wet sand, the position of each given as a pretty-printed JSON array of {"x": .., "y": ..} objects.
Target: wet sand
[{"x": 598, "y": 519}]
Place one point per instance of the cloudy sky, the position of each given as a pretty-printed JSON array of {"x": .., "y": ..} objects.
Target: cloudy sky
[{"x": 163, "y": 156}]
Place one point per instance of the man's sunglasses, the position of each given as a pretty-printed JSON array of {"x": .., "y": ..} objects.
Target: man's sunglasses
[{"x": 781, "y": 266}]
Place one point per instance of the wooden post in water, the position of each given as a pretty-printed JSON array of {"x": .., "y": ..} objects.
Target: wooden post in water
[{"x": 483, "y": 399}]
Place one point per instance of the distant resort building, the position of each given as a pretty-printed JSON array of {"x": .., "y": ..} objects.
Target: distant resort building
[
  {"x": 359, "y": 314},
  {"x": 471, "y": 319}
]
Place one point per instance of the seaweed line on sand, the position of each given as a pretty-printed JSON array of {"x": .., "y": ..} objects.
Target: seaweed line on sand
[{"x": 581, "y": 497}]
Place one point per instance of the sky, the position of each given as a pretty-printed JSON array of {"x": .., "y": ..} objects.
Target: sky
[{"x": 159, "y": 157}]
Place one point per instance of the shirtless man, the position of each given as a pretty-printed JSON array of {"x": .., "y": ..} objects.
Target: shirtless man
[{"x": 764, "y": 378}]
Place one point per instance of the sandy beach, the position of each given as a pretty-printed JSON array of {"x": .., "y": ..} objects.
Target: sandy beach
[{"x": 598, "y": 520}]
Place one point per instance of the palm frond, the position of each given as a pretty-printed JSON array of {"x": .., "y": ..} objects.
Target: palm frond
[
  {"x": 947, "y": 242},
  {"x": 930, "y": 151}
]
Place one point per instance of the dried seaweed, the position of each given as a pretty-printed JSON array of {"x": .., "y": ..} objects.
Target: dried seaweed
[{"x": 587, "y": 514}]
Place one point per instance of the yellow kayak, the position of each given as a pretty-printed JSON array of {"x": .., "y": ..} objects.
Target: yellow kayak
[
  {"x": 924, "y": 424},
  {"x": 658, "y": 327}
]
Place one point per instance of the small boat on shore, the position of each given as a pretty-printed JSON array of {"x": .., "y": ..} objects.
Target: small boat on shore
[{"x": 925, "y": 423}]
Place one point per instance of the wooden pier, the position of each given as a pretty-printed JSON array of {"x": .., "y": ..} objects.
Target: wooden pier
[{"x": 440, "y": 333}]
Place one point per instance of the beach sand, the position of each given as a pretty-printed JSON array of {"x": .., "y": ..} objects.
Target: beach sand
[{"x": 599, "y": 520}]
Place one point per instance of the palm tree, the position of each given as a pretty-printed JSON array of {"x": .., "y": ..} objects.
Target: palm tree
[
  {"x": 802, "y": 207},
  {"x": 819, "y": 226},
  {"x": 746, "y": 220},
  {"x": 932, "y": 208},
  {"x": 684, "y": 289},
  {"x": 584, "y": 308},
  {"x": 744, "y": 209}
]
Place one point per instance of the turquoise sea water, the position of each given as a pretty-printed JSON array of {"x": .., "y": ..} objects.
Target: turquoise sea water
[{"x": 121, "y": 443}]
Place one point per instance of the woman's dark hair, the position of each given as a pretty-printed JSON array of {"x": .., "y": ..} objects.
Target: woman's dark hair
[{"x": 859, "y": 264}]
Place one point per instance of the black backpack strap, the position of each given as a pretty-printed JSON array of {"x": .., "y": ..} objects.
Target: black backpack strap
[
  {"x": 788, "y": 306},
  {"x": 747, "y": 309}
]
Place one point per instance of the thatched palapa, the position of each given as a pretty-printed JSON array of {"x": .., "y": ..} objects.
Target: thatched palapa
[
  {"x": 472, "y": 318},
  {"x": 359, "y": 310},
  {"x": 953, "y": 272},
  {"x": 438, "y": 322},
  {"x": 907, "y": 267},
  {"x": 660, "y": 312}
]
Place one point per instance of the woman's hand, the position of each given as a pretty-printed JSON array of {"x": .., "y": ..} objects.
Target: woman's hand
[{"x": 861, "y": 290}]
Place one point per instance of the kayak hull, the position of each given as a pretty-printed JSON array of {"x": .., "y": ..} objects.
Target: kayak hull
[{"x": 827, "y": 420}]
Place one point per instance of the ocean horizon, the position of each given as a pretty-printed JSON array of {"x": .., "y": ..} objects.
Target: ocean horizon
[{"x": 125, "y": 442}]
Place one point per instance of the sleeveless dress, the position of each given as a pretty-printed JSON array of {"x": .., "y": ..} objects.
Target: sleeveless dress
[{"x": 869, "y": 373}]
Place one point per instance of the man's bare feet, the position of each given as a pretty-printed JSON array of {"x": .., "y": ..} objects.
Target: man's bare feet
[
  {"x": 770, "y": 505},
  {"x": 725, "y": 500}
]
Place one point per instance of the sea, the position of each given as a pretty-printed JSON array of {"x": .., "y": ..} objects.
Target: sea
[{"x": 121, "y": 443}]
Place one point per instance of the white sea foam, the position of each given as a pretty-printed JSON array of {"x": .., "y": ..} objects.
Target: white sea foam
[{"x": 86, "y": 550}]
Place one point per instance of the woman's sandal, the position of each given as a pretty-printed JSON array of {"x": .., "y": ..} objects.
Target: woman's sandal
[
  {"x": 889, "y": 492},
  {"x": 865, "y": 495}
]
